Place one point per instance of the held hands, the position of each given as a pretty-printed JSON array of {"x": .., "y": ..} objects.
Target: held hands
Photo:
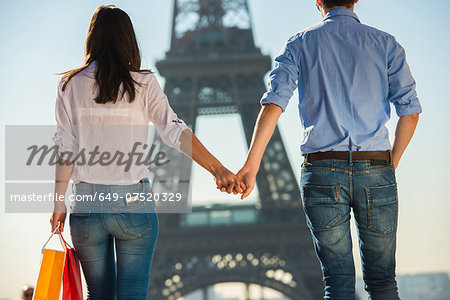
[
  {"x": 227, "y": 182},
  {"x": 241, "y": 183}
]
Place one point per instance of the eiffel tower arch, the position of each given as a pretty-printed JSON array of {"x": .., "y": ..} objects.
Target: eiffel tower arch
[{"x": 214, "y": 67}]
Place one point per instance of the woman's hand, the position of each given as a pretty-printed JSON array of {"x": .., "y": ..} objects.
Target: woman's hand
[
  {"x": 58, "y": 217},
  {"x": 226, "y": 181}
]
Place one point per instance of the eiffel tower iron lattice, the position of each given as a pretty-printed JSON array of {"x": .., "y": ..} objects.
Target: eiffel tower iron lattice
[{"x": 214, "y": 67}]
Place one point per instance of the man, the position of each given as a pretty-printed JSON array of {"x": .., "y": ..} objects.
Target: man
[{"x": 347, "y": 76}]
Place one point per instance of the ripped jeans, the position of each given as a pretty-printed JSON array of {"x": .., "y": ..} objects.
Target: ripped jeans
[{"x": 330, "y": 189}]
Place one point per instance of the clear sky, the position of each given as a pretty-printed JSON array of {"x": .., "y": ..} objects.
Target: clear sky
[{"x": 41, "y": 38}]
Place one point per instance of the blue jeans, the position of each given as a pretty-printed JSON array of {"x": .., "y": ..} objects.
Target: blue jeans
[
  {"x": 330, "y": 189},
  {"x": 114, "y": 240}
]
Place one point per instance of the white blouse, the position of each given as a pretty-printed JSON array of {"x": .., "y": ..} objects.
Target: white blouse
[{"x": 84, "y": 127}]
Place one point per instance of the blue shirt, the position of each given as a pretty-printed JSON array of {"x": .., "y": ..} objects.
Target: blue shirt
[{"x": 347, "y": 76}]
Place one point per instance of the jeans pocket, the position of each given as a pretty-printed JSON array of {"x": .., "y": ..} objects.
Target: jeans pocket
[
  {"x": 321, "y": 205},
  {"x": 382, "y": 208},
  {"x": 79, "y": 225},
  {"x": 134, "y": 220}
]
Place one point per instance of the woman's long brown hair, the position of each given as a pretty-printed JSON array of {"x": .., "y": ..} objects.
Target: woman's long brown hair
[{"x": 111, "y": 43}]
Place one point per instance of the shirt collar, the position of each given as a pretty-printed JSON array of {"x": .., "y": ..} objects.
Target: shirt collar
[
  {"x": 340, "y": 12},
  {"x": 92, "y": 65}
]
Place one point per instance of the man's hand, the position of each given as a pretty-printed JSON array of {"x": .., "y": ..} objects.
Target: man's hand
[
  {"x": 58, "y": 216},
  {"x": 247, "y": 175}
]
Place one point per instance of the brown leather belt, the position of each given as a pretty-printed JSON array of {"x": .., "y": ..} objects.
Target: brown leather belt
[{"x": 350, "y": 155}]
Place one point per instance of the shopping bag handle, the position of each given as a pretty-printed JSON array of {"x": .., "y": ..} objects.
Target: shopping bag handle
[
  {"x": 66, "y": 244},
  {"x": 61, "y": 239}
]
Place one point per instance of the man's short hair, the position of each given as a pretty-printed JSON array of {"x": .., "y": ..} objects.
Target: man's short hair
[{"x": 333, "y": 3}]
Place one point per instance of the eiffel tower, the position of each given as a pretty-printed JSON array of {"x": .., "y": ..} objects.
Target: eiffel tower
[{"x": 214, "y": 67}]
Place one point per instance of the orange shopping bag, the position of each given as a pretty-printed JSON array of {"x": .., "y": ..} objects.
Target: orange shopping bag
[{"x": 48, "y": 286}]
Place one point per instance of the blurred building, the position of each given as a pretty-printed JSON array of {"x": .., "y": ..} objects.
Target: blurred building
[
  {"x": 235, "y": 291},
  {"x": 434, "y": 286}
]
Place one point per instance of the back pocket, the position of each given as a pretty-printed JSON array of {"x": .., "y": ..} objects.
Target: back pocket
[
  {"x": 382, "y": 206},
  {"x": 321, "y": 205},
  {"x": 134, "y": 220},
  {"x": 79, "y": 224}
]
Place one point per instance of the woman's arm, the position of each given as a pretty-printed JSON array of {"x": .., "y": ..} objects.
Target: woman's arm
[{"x": 63, "y": 172}]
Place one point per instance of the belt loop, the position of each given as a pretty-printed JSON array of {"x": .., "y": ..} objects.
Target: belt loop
[
  {"x": 390, "y": 157},
  {"x": 306, "y": 158},
  {"x": 350, "y": 161}
]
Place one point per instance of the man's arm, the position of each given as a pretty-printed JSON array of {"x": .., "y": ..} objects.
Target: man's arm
[
  {"x": 402, "y": 93},
  {"x": 406, "y": 126},
  {"x": 265, "y": 125},
  {"x": 282, "y": 83}
]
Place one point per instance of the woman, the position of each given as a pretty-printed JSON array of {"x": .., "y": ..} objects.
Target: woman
[{"x": 111, "y": 91}]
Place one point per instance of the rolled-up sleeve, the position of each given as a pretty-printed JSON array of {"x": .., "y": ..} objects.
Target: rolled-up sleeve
[
  {"x": 64, "y": 138},
  {"x": 166, "y": 121},
  {"x": 402, "y": 86},
  {"x": 282, "y": 80}
]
